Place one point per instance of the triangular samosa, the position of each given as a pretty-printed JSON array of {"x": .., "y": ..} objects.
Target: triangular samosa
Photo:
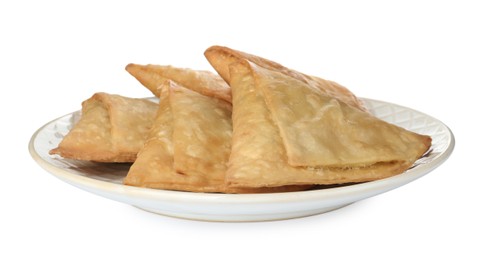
[
  {"x": 203, "y": 82},
  {"x": 155, "y": 166},
  {"x": 112, "y": 128},
  {"x": 260, "y": 156}
]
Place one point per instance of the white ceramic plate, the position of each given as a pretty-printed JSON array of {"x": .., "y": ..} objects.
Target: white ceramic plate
[{"x": 106, "y": 179}]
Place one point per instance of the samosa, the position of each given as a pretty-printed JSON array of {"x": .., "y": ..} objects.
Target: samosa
[
  {"x": 112, "y": 128},
  {"x": 287, "y": 133}
]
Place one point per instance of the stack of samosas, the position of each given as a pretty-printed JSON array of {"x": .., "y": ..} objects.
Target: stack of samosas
[{"x": 254, "y": 127}]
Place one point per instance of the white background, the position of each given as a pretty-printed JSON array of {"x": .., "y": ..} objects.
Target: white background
[{"x": 420, "y": 54}]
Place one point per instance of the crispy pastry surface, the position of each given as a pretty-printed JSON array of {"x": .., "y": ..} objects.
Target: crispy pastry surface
[
  {"x": 112, "y": 128},
  {"x": 202, "y": 134},
  {"x": 189, "y": 146},
  {"x": 259, "y": 157},
  {"x": 204, "y": 82},
  {"x": 320, "y": 131},
  {"x": 221, "y": 57},
  {"x": 154, "y": 166}
]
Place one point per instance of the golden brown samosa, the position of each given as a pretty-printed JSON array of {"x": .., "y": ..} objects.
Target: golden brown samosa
[
  {"x": 112, "y": 128},
  {"x": 189, "y": 145},
  {"x": 278, "y": 119}
]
